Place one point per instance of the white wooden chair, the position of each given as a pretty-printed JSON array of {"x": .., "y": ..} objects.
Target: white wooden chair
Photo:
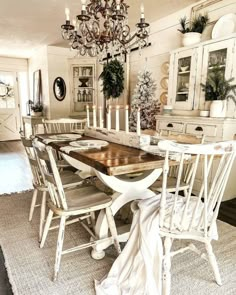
[
  {"x": 64, "y": 125},
  {"x": 81, "y": 202},
  {"x": 188, "y": 168},
  {"x": 194, "y": 217},
  {"x": 69, "y": 179}
]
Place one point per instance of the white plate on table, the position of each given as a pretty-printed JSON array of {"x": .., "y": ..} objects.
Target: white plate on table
[
  {"x": 225, "y": 26},
  {"x": 65, "y": 136},
  {"x": 89, "y": 143}
]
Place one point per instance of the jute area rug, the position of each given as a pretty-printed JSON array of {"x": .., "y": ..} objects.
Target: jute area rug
[{"x": 30, "y": 268}]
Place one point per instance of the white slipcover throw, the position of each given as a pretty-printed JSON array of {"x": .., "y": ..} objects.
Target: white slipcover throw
[{"x": 138, "y": 269}]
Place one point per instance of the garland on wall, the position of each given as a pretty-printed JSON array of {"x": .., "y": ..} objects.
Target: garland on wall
[{"x": 142, "y": 99}]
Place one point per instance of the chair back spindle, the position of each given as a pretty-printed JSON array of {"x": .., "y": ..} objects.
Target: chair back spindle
[
  {"x": 64, "y": 125},
  {"x": 196, "y": 213}
]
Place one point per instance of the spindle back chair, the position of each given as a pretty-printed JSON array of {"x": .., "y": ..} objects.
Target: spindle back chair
[
  {"x": 194, "y": 216},
  {"x": 81, "y": 202},
  {"x": 64, "y": 125}
]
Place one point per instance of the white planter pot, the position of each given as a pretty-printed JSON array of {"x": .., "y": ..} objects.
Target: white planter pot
[
  {"x": 191, "y": 38},
  {"x": 36, "y": 114},
  {"x": 218, "y": 109}
]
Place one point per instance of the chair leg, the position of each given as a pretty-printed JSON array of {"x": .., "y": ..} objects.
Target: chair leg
[
  {"x": 92, "y": 218},
  {"x": 60, "y": 240},
  {"x": 112, "y": 226},
  {"x": 213, "y": 262},
  {"x": 42, "y": 215},
  {"x": 33, "y": 202},
  {"x": 46, "y": 227},
  {"x": 166, "y": 279}
]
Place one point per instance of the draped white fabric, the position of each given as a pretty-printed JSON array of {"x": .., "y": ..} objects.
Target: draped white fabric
[{"x": 137, "y": 271}]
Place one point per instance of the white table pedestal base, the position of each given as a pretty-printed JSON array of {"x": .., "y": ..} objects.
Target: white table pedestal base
[{"x": 126, "y": 190}]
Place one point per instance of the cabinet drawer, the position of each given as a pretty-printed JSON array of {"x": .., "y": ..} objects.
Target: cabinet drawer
[
  {"x": 199, "y": 129},
  {"x": 172, "y": 126}
]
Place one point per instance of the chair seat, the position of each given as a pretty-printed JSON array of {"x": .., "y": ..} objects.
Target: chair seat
[
  {"x": 81, "y": 200},
  {"x": 171, "y": 185}
]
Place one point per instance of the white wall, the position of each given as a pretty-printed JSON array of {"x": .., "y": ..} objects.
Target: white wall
[{"x": 39, "y": 61}]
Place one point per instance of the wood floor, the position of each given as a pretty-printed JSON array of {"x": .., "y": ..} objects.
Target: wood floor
[{"x": 15, "y": 176}]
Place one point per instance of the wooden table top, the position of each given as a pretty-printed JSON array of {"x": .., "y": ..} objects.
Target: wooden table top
[{"x": 114, "y": 159}]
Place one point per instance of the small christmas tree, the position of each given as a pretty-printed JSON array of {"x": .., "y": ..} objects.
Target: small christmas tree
[{"x": 143, "y": 99}]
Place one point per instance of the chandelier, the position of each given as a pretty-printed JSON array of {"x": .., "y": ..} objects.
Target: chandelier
[{"x": 102, "y": 29}]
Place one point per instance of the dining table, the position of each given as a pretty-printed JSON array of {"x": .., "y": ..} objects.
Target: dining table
[{"x": 128, "y": 171}]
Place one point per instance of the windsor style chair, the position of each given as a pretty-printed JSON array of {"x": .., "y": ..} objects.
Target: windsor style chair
[
  {"x": 64, "y": 125},
  {"x": 173, "y": 171},
  {"x": 69, "y": 179},
  {"x": 194, "y": 217},
  {"x": 81, "y": 202}
]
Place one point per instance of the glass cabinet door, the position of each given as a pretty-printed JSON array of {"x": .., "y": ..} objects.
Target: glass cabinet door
[
  {"x": 83, "y": 86},
  {"x": 218, "y": 55},
  {"x": 182, "y": 91}
]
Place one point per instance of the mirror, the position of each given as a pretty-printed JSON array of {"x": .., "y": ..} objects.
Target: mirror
[{"x": 59, "y": 88}]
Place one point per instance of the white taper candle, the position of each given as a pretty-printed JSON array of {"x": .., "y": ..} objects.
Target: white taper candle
[
  {"x": 127, "y": 119},
  {"x": 94, "y": 117},
  {"x": 109, "y": 118},
  {"x": 88, "y": 119},
  {"x": 100, "y": 117},
  {"x": 138, "y": 129},
  {"x": 67, "y": 12},
  {"x": 117, "y": 118}
]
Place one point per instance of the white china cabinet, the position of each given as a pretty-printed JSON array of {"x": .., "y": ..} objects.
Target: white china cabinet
[
  {"x": 83, "y": 85},
  {"x": 190, "y": 66}
]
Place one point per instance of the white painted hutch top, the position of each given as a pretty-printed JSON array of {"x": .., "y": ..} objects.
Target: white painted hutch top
[{"x": 189, "y": 67}]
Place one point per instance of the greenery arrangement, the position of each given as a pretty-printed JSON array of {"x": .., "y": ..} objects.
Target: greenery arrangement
[
  {"x": 38, "y": 107},
  {"x": 142, "y": 99},
  {"x": 217, "y": 87},
  {"x": 197, "y": 25},
  {"x": 113, "y": 79}
]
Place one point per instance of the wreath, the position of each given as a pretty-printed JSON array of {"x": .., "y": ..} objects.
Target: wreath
[
  {"x": 5, "y": 90},
  {"x": 113, "y": 79}
]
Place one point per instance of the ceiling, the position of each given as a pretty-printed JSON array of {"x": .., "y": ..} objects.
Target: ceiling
[{"x": 26, "y": 25}]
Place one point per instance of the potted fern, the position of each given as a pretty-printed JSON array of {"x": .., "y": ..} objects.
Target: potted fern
[
  {"x": 219, "y": 90},
  {"x": 37, "y": 109},
  {"x": 192, "y": 31}
]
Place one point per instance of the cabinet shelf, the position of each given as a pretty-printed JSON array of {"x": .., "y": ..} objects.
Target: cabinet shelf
[
  {"x": 212, "y": 67},
  {"x": 182, "y": 92},
  {"x": 184, "y": 73},
  {"x": 83, "y": 76},
  {"x": 84, "y": 88}
]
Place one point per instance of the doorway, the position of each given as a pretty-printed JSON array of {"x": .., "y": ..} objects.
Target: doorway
[{"x": 9, "y": 107}]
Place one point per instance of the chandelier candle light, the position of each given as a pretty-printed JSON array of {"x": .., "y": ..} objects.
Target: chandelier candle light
[{"x": 102, "y": 28}]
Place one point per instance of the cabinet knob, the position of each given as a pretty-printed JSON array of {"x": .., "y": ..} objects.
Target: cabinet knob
[
  {"x": 199, "y": 128},
  {"x": 170, "y": 125}
]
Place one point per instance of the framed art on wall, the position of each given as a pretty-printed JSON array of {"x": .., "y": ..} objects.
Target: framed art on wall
[{"x": 37, "y": 87}]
